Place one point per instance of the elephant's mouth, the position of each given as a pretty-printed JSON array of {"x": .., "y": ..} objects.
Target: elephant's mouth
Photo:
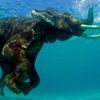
[{"x": 39, "y": 15}]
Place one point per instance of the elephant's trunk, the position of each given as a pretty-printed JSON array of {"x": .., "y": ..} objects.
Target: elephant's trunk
[
  {"x": 90, "y": 18},
  {"x": 88, "y": 25}
]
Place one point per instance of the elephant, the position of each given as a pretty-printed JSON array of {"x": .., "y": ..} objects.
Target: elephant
[{"x": 21, "y": 39}]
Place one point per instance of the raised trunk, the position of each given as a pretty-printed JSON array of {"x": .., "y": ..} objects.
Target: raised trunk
[{"x": 90, "y": 19}]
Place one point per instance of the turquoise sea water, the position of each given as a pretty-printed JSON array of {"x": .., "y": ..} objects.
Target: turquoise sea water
[{"x": 68, "y": 70}]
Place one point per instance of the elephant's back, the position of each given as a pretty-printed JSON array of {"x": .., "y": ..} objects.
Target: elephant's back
[{"x": 11, "y": 26}]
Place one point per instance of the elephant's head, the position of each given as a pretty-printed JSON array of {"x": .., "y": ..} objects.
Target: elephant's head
[{"x": 64, "y": 20}]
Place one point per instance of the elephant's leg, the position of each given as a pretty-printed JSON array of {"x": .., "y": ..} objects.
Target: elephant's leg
[
  {"x": 5, "y": 69},
  {"x": 10, "y": 83},
  {"x": 34, "y": 81},
  {"x": 2, "y": 84},
  {"x": 15, "y": 51},
  {"x": 18, "y": 54},
  {"x": 4, "y": 73},
  {"x": 26, "y": 87},
  {"x": 15, "y": 79},
  {"x": 21, "y": 71}
]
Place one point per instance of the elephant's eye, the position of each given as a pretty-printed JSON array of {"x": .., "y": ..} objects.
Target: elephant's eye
[
  {"x": 67, "y": 19},
  {"x": 37, "y": 10},
  {"x": 48, "y": 12}
]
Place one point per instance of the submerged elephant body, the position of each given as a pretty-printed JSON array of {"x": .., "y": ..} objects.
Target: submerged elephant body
[{"x": 21, "y": 40}]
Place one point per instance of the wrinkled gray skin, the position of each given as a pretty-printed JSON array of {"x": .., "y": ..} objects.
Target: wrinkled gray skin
[{"x": 51, "y": 25}]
